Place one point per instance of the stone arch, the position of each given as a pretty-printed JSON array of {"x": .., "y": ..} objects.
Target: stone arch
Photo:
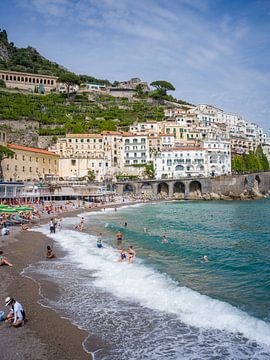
[
  {"x": 147, "y": 188},
  {"x": 128, "y": 188},
  {"x": 179, "y": 190},
  {"x": 258, "y": 179},
  {"x": 163, "y": 189},
  {"x": 195, "y": 189}
]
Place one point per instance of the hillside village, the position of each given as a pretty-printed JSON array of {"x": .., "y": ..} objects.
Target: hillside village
[{"x": 100, "y": 131}]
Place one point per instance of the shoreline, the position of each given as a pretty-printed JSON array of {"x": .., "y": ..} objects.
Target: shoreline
[{"x": 46, "y": 335}]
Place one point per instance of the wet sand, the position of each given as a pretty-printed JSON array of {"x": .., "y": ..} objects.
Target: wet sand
[{"x": 45, "y": 335}]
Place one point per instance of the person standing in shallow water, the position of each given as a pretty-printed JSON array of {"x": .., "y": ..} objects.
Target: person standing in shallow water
[{"x": 119, "y": 237}]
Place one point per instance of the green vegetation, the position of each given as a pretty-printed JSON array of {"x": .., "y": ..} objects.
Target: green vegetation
[
  {"x": 4, "y": 154},
  {"x": 162, "y": 87},
  {"x": 2, "y": 84},
  {"x": 29, "y": 60},
  {"x": 149, "y": 171},
  {"x": 252, "y": 162},
  {"x": 69, "y": 79},
  {"x": 58, "y": 115}
]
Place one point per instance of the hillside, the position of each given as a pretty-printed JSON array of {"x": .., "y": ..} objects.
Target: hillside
[
  {"x": 58, "y": 114},
  {"x": 29, "y": 60}
]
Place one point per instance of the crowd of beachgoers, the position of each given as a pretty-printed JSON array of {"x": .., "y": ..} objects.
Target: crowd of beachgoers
[{"x": 27, "y": 214}]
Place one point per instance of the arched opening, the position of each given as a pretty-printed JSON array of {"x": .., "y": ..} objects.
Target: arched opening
[
  {"x": 195, "y": 189},
  {"x": 258, "y": 179},
  {"x": 179, "y": 190},
  {"x": 179, "y": 168},
  {"x": 147, "y": 189},
  {"x": 128, "y": 188},
  {"x": 163, "y": 189},
  {"x": 257, "y": 182}
]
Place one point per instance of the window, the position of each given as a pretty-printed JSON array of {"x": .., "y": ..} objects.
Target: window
[
  {"x": 23, "y": 157},
  {"x": 16, "y": 167},
  {"x": 7, "y": 166},
  {"x": 36, "y": 159},
  {"x": 23, "y": 168},
  {"x": 30, "y": 159},
  {"x": 127, "y": 141},
  {"x": 73, "y": 162},
  {"x": 30, "y": 169}
]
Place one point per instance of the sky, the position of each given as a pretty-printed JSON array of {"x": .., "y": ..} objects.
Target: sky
[{"x": 213, "y": 51}]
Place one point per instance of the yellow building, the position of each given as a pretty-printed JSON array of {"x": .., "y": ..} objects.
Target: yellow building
[
  {"x": 28, "y": 81},
  {"x": 30, "y": 164}
]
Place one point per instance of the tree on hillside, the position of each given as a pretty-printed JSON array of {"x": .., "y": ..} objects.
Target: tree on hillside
[
  {"x": 262, "y": 158},
  {"x": 5, "y": 153},
  {"x": 149, "y": 171},
  {"x": 162, "y": 87},
  {"x": 69, "y": 79}
]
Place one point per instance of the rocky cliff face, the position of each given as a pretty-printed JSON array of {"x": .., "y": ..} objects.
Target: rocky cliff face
[{"x": 4, "y": 52}]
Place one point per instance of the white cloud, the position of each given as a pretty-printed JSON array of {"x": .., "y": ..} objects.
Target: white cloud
[{"x": 207, "y": 58}]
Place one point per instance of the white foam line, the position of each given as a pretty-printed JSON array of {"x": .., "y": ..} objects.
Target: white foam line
[{"x": 157, "y": 291}]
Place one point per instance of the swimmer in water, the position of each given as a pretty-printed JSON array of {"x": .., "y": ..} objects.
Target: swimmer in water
[
  {"x": 123, "y": 256},
  {"x": 99, "y": 241},
  {"x": 131, "y": 254},
  {"x": 164, "y": 240},
  {"x": 205, "y": 258}
]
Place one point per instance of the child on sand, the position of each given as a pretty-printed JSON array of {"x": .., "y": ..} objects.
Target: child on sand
[{"x": 50, "y": 254}]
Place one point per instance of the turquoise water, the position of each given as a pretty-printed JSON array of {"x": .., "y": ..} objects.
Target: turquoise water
[
  {"x": 234, "y": 235},
  {"x": 169, "y": 304}
]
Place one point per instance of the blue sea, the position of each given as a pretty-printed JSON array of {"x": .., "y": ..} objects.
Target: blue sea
[{"x": 170, "y": 303}]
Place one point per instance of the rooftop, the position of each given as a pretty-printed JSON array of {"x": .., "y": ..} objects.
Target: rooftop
[{"x": 30, "y": 149}]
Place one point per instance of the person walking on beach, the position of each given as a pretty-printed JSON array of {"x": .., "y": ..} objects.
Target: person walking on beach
[
  {"x": 52, "y": 226},
  {"x": 60, "y": 225},
  {"x": 119, "y": 237},
  {"x": 16, "y": 316},
  {"x": 82, "y": 224}
]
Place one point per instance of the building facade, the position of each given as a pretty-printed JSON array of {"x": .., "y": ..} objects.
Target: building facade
[
  {"x": 28, "y": 81},
  {"x": 30, "y": 164}
]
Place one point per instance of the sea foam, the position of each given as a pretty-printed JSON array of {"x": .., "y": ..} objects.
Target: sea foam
[{"x": 151, "y": 289}]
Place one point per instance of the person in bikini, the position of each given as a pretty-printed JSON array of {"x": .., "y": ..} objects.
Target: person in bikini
[{"x": 131, "y": 254}]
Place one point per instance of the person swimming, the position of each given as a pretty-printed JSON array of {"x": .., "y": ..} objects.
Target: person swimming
[
  {"x": 205, "y": 258},
  {"x": 164, "y": 240}
]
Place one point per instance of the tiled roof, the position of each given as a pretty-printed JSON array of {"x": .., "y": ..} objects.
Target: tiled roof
[
  {"x": 25, "y": 148},
  {"x": 83, "y": 135}
]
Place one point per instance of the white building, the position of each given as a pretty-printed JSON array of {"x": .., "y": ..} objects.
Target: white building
[
  {"x": 218, "y": 157},
  {"x": 181, "y": 162}
]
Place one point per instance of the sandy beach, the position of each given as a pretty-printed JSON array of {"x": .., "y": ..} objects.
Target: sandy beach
[{"x": 45, "y": 335}]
